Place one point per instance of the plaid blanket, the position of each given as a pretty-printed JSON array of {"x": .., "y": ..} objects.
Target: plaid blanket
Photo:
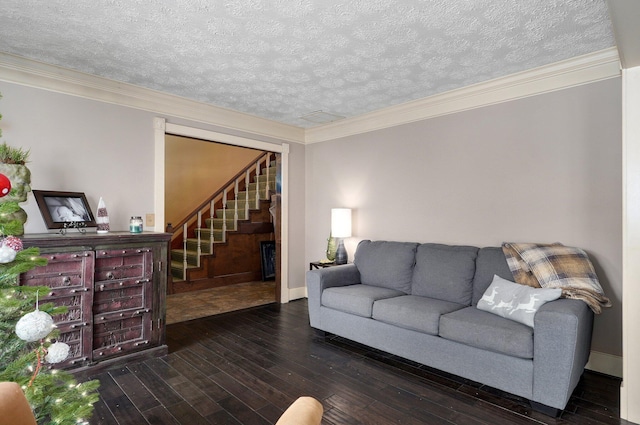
[{"x": 556, "y": 266}]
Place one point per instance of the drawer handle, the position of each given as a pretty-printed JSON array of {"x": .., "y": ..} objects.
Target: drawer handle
[
  {"x": 102, "y": 287},
  {"x": 73, "y": 291},
  {"x": 143, "y": 281},
  {"x": 66, "y": 279},
  {"x": 110, "y": 275}
]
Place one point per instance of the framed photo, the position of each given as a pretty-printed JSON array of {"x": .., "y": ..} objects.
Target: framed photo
[
  {"x": 58, "y": 208},
  {"x": 268, "y": 257}
]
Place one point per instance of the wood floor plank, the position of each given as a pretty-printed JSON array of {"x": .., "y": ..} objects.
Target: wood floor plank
[
  {"x": 246, "y": 367},
  {"x": 184, "y": 413},
  {"x": 141, "y": 397},
  {"x": 242, "y": 412},
  {"x": 239, "y": 391},
  {"x": 160, "y": 388},
  {"x": 159, "y": 415},
  {"x": 199, "y": 379}
]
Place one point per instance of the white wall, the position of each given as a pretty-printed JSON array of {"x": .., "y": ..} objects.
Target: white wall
[
  {"x": 541, "y": 169},
  {"x": 107, "y": 150}
]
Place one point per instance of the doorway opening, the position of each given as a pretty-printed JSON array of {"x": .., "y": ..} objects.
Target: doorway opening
[{"x": 257, "y": 291}]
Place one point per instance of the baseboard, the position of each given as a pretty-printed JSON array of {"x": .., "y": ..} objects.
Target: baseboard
[
  {"x": 605, "y": 363},
  {"x": 297, "y": 293}
]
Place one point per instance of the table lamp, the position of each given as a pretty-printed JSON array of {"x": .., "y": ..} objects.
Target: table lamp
[{"x": 341, "y": 228}]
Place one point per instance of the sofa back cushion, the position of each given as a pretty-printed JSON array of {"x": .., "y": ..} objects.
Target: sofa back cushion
[
  {"x": 386, "y": 264},
  {"x": 491, "y": 261},
  {"x": 444, "y": 272}
]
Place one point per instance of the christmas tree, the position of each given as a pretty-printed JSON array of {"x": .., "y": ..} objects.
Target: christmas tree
[{"x": 27, "y": 334}]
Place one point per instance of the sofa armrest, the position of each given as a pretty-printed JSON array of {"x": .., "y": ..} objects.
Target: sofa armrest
[
  {"x": 562, "y": 343},
  {"x": 321, "y": 279}
]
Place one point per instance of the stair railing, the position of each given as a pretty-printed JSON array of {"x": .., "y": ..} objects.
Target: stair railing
[{"x": 196, "y": 216}]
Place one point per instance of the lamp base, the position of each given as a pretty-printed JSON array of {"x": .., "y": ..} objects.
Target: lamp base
[{"x": 341, "y": 254}]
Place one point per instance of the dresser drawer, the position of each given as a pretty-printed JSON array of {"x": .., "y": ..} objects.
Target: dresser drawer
[
  {"x": 66, "y": 270},
  {"x": 120, "y": 298},
  {"x": 123, "y": 264},
  {"x": 116, "y": 334}
]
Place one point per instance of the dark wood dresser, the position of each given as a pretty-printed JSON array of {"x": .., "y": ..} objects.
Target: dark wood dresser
[{"x": 114, "y": 286}]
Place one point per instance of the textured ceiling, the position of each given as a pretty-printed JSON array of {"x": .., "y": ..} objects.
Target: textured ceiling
[{"x": 282, "y": 59}]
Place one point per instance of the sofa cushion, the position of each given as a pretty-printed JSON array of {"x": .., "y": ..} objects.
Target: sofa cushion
[
  {"x": 491, "y": 261},
  {"x": 514, "y": 301},
  {"x": 487, "y": 331},
  {"x": 386, "y": 264},
  {"x": 411, "y": 312},
  {"x": 356, "y": 299},
  {"x": 444, "y": 272}
]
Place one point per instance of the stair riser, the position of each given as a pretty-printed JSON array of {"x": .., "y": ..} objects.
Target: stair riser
[
  {"x": 205, "y": 234},
  {"x": 217, "y": 223},
  {"x": 230, "y": 212},
  {"x": 178, "y": 256},
  {"x": 263, "y": 176},
  {"x": 205, "y": 246}
]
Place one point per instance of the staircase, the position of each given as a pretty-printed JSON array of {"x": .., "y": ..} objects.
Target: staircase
[{"x": 219, "y": 244}]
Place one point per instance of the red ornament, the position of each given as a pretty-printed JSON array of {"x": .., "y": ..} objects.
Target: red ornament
[
  {"x": 13, "y": 242},
  {"x": 5, "y": 185}
]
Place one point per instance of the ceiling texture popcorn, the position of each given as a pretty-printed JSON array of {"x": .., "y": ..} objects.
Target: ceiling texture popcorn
[{"x": 283, "y": 59}]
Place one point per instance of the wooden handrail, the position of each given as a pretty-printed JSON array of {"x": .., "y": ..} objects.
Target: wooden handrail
[{"x": 189, "y": 217}]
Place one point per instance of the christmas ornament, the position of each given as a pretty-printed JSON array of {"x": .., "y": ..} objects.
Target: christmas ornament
[
  {"x": 57, "y": 352},
  {"x": 34, "y": 326},
  {"x": 102, "y": 219},
  {"x": 7, "y": 254},
  {"x": 14, "y": 243},
  {"x": 9, "y": 247},
  {"x": 5, "y": 185}
]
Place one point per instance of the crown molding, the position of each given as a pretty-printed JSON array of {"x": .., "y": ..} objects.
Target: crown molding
[
  {"x": 19, "y": 70},
  {"x": 569, "y": 73},
  {"x": 573, "y": 72}
]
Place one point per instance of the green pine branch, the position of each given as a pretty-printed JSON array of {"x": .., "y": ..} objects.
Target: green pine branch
[{"x": 55, "y": 396}]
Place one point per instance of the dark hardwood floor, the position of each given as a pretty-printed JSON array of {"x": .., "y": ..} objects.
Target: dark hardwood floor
[{"x": 246, "y": 367}]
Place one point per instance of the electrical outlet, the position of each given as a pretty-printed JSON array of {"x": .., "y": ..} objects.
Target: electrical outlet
[{"x": 150, "y": 220}]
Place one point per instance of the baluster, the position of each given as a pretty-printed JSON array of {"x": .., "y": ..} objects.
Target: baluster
[
  {"x": 224, "y": 215},
  {"x": 246, "y": 189},
  {"x": 185, "y": 228},
  {"x": 199, "y": 230},
  {"x": 212, "y": 210},
  {"x": 258, "y": 185},
  {"x": 266, "y": 187},
  {"x": 235, "y": 213}
]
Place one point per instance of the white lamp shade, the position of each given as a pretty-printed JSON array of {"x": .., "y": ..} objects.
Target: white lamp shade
[{"x": 341, "y": 222}]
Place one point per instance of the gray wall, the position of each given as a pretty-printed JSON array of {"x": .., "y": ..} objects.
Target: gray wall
[
  {"x": 541, "y": 169},
  {"x": 107, "y": 150}
]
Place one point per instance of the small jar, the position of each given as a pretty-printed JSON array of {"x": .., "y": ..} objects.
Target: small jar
[{"x": 135, "y": 224}]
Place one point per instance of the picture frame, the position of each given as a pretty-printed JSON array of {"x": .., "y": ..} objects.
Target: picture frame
[
  {"x": 61, "y": 210},
  {"x": 268, "y": 259}
]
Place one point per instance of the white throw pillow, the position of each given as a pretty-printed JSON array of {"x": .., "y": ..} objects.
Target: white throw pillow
[{"x": 514, "y": 301}]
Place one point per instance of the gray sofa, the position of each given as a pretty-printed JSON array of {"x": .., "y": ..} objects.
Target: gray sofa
[{"x": 418, "y": 301}]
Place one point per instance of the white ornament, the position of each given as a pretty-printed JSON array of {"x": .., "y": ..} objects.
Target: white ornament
[
  {"x": 34, "y": 326},
  {"x": 7, "y": 254},
  {"x": 57, "y": 352}
]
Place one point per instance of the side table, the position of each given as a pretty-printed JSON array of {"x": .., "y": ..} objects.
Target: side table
[{"x": 320, "y": 265}]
